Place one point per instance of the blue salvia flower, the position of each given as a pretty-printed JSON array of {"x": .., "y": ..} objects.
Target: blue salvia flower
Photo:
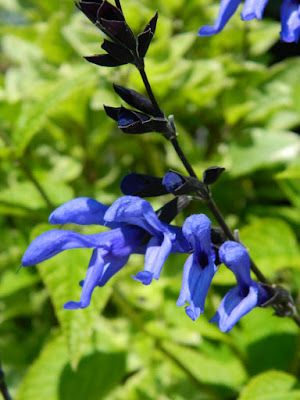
[
  {"x": 199, "y": 268},
  {"x": 243, "y": 297},
  {"x": 164, "y": 238},
  {"x": 133, "y": 223},
  {"x": 290, "y": 17}
]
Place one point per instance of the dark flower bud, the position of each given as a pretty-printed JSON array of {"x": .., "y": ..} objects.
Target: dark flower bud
[
  {"x": 90, "y": 9},
  {"x": 110, "y": 20},
  {"x": 112, "y": 112},
  {"x": 124, "y": 47},
  {"x": 117, "y": 51},
  {"x": 135, "y": 99},
  {"x": 170, "y": 210},
  {"x": 144, "y": 38},
  {"x": 142, "y": 185},
  {"x": 212, "y": 174},
  {"x": 104, "y": 60},
  {"x": 130, "y": 121}
]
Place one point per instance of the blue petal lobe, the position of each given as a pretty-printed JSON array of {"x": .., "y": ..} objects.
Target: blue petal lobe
[
  {"x": 185, "y": 293},
  {"x": 180, "y": 244},
  {"x": 195, "y": 285},
  {"x": 135, "y": 211},
  {"x": 227, "y": 9},
  {"x": 111, "y": 268},
  {"x": 50, "y": 243},
  {"x": 156, "y": 254},
  {"x": 290, "y": 21},
  {"x": 196, "y": 229},
  {"x": 81, "y": 211},
  {"x": 71, "y": 305},
  {"x": 143, "y": 276},
  {"x": 234, "y": 306},
  {"x": 192, "y": 312},
  {"x": 93, "y": 275},
  {"x": 253, "y": 9},
  {"x": 237, "y": 259}
]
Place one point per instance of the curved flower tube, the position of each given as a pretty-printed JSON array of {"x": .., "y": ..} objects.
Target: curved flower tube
[
  {"x": 243, "y": 297},
  {"x": 199, "y": 268}
]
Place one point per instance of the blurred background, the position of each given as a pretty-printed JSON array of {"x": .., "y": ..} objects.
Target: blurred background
[{"x": 236, "y": 101}]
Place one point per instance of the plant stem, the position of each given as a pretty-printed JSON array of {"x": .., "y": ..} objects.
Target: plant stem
[
  {"x": 183, "y": 158},
  {"x": 150, "y": 93},
  {"x": 28, "y": 173},
  {"x": 136, "y": 320},
  {"x": 3, "y": 387},
  {"x": 31, "y": 177}
]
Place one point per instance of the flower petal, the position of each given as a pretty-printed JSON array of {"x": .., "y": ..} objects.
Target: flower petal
[
  {"x": 111, "y": 268},
  {"x": 237, "y": 259},
  {"x": 81, "y": 211},
  {"x": 227, "y": 9},
  {"x": 234, "y": 306},
  {"x": 92, "y": 278},
  {"x": 143, "y": 276},
  {"x": 195, "y": 285},
  {"x": 180, "y": 244},
  {"x": 196, "y": 229},
  {"x": 290, "y": 21},
  {"x": 253, "y": 9},
  {"x": 156, "y": 254},
  {"x": 50, "y": 243},
  {"x": 135, "y": 211}
]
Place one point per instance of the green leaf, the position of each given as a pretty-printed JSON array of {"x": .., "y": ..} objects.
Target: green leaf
[
  {"x": 261, "y": 149},
  {"x": 271, "y": 385},
  {"x": 229, "y": 372},
  {"x": 272, "y": 244},
  {"x": 12, "y": 282},
  {"x": 39, "y": 385},
  {"x": 292, "y": 190},
  {"x": 51, "y": 377},
  {"x": 34, "y": 114},
  {"x": 95, "y": 376},
  {"x": 262, "y": 36},
  {"x": 62, "y": 275},
  {"x": 27, "y": 195}
]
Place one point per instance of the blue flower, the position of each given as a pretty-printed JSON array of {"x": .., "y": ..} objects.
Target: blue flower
[
  {"x": 133, "y": 223},
  {"x": 290, "y": 17},
  {"x": 164, "y": 238},
  {"x": 199, "y": 268},
  {"x": 246, "y": 295}
]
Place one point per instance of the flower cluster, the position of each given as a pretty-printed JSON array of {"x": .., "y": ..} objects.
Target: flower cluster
[
  {"x": 136, "y": 228},
  {"x": 122, "y": 47},
  {"x": 290, "y": 17}
]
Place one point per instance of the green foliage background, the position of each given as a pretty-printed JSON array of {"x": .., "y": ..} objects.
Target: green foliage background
[{"x": 232, "y": 109}]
